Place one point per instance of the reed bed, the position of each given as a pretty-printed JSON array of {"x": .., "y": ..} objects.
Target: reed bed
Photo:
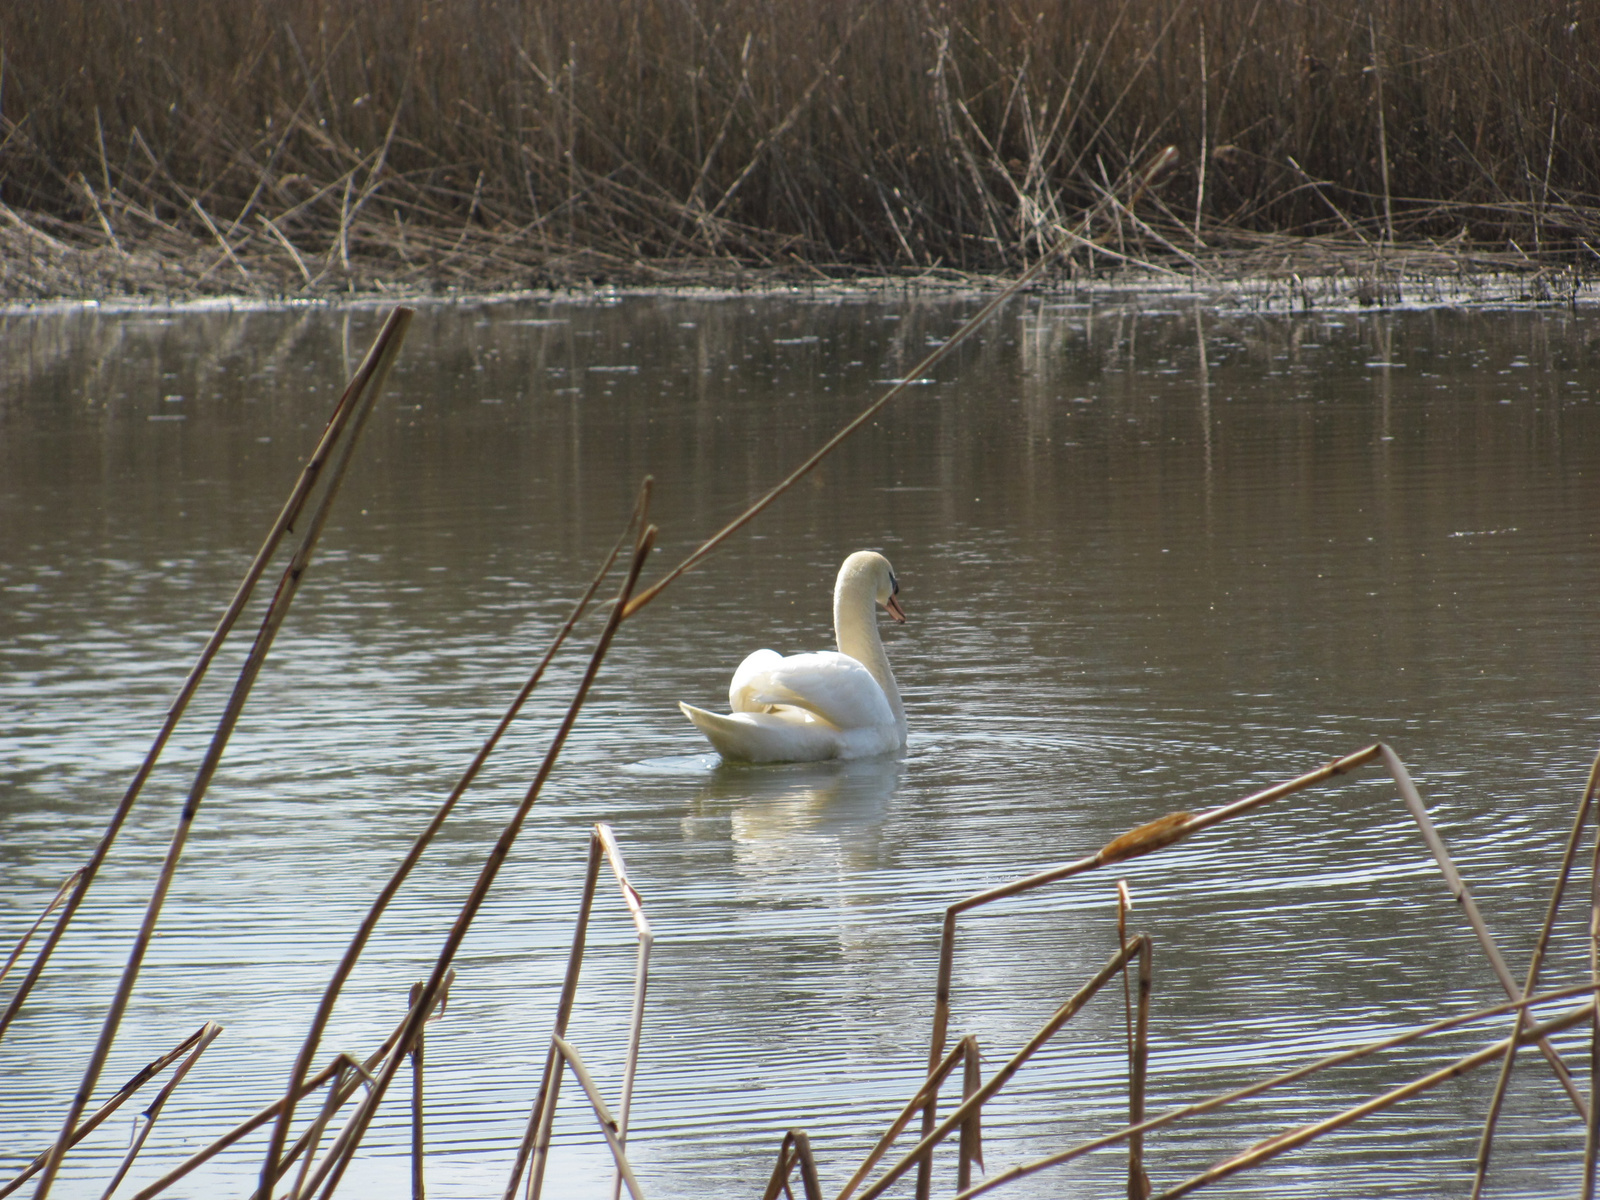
[
  {"x": 322, "y": 146},
  {"x": 352, "y": 1091}
]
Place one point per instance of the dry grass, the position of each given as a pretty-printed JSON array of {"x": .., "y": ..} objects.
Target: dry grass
[{"x": 324, "y": 145}]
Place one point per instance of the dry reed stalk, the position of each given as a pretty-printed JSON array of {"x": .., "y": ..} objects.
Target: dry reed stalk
[
  {"x": 927, "y": 1094},
  {"x": 1383, "y": 135},
  {"x": 278, "y": 236},
  {"x": 1272, "y": 1147},
  {"x": 147, "y": 1119},
  {"x": 1591, "y": 1142},
  {"x": 380, "y": 904},
  {"x": 227, "y": 250},
  {"x": 334, "y": 1165},
  {"x": 1167, "y": 830},
  {"x": 384, "y": 347},
  {"x": 1568, "y": 856},
  {"x": 1469, "y": 908},
  {"x": 121, "y": 1096},
  {"x": 971, "y": 1148},
  {"x": 61, "y": 892},
  {"x": 381, "y": 358},
  {"x": 339, "y": 1092},
  {"x": 334, "y": 1071},
  {"x": 795, "y": 1150},
  {"x": 608, "y": 1124},
  {"x": 418, "y": 1187},
  {"x": 307, "y": 1146},
  {"x": 923, "y": 1151},
  {"x": 537, "y": 1137},
  {"x": 789, "y": 118},
  {"x": 1138, "y": 1069},
  {"x": 24, "y": 227},
  {"x": 641, "y": 981},
  {"x": 100, "y": 214},
  {"x": 1164, "y": 831},
  {"x": 1145, "y": 839},
  {"x": 1124, "y": 903},
  {"x": 1212, "y": 1103},
  {"x": 602, "y": 845}
]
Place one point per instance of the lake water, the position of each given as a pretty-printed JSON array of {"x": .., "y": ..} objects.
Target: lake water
[{"x": 1155, "y": 555}]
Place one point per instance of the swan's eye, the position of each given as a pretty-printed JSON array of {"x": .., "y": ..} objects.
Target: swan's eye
[{"x": 894, "y": 585}]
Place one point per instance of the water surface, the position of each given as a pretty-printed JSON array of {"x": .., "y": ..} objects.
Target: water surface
[{"x": 1154, "y": 555}]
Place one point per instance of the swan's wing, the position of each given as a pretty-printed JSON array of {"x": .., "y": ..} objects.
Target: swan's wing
[
  {"x": 750, "y": 680},
  {"x": 833, "y": 686}
]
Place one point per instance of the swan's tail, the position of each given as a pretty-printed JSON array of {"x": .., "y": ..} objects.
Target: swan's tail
[{"x": 782, "y": 736}]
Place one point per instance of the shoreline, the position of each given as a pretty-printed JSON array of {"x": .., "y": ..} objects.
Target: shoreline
[{"x": 49, "y": 264}]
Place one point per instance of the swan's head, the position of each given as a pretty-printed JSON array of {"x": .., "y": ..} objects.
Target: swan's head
[{"x": 871, "y": 573}]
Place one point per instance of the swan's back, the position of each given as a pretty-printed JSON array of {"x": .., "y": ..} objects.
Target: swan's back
[{"x": 833, "y": 686}]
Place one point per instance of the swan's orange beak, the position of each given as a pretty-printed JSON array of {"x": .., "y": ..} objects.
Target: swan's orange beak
[{"x": 895, "y": 611}]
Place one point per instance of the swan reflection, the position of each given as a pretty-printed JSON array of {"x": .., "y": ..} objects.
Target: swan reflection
[{"x": 796, "y": 825}]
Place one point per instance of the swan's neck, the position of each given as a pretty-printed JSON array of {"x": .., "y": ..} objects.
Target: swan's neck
[{"x": 855, "y": 625}]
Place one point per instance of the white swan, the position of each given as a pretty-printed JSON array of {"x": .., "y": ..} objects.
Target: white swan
[{"x": 825, "y": 705}]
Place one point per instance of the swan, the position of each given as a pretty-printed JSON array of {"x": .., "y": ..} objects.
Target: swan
[{"x": 807, "y": 707}]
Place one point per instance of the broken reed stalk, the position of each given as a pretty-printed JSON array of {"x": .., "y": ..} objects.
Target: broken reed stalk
[
  {"x": 307, "y": 1146},
  {"x": 795, "y": 1150},
  {"x": 1272, "y": 1147},
  {"x": 61, "y": 892},
  {"x": 1221, "y": 1100},
  {"x": 382, "y": 357},
  {"x": 926, "y": 1094},
  {"x": 418, "y": 1185},
  {"x": 1469, "y": 908},
  {"x": 1157, "y": 167},
  {"x": 1175, "y": 827},
  {"x": 1591, "y": 1143},
  {"x": 341, "y": 1091},
  {"x": 971, "y": 1147},
  {"x": 339, "y": 1159},
  {"x": 537, "y": 1137},
  {"x": 1135, "y": 1084},
  {"x": 208, "y": 1034},
  {"x": 1579, "y": 823},
  {"x": 1383, "y": 134},
  {"x": 923, "y": 1151},
  {"x": 1145, "y": 839},
  {"x": 334, "y": 1071},
  {"x": 122, "y": 1095},
  {"x": 1138, "y": 1069},
  {"x": 608, "y": 1124},
  {"x": 380, "y": 904},
  {"x": 602, "y": 845},
  {"x": 641, "y": 982},
  {"x": 378, "y": 358}
]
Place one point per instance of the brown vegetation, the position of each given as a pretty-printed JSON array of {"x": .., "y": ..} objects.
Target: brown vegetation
[{"x": 317, "y": 145}]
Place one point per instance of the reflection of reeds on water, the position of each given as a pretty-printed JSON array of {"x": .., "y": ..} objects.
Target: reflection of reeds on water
[{"x": 350, "y": 1091}]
